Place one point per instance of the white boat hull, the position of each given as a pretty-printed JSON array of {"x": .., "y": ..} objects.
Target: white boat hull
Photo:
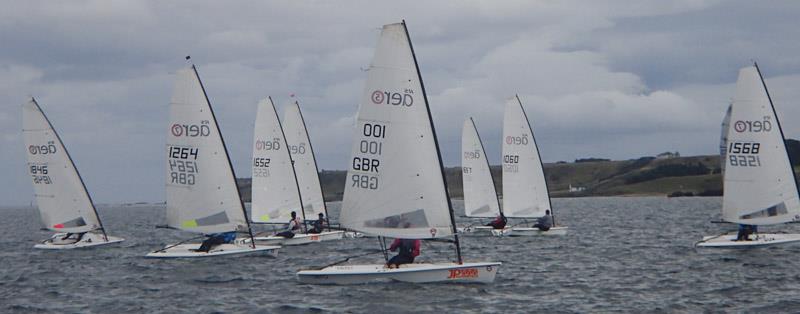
[
  {"x": 417, "y": 273},
  {"x": 353, "y": 234},
  {"x": 188, "y": 250},
  {"x": 90, "y": 239},
  {"x": 299, "y": 239},
  {"x": 529, "y": 232},
  {"x": 760, "y": 240},
  {"x": 476, "y": 230}
]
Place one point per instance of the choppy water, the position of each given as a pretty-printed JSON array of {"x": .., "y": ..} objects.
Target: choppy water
[{"x": 622, "y": 254}]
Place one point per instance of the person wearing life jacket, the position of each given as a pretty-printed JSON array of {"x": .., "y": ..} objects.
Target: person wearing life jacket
[
  {"x": 499, "y": 222},
  {"x": 545, "y": 222},
  {"x": 294, "y": 226},
  {"x": 745, "y": 231},
  {"x": 318, "y": 225},
  {"x": 216, "y": 239},
  {"x": 407, "y": 249}
]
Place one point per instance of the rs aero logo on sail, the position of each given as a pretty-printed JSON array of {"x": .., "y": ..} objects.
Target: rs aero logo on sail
[
  {"x": 405, "y": 99},
  {"x": 50, "y": 148},
  {"x": 753, "y": 126},
  {"x": 191, "y": 130}
]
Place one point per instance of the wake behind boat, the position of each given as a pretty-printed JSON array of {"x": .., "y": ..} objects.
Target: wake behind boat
[
  {"x": 202, "y": 195},
  {"x": 396, "y": 185},
  {"x": 64, "y": 203},
  {"x": 759, "y": 184}
]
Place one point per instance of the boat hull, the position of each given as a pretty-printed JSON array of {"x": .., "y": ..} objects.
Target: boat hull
[
  {"x": 299, "y": 239},
  {"x": 483, "y": 272},
  {"x": 529, "y": 232},
  {"x": 188, "y": 250},
  {"x": 476, "y": 230},
  {"x": 90, "y": 239},
  {"x": 728, "y": 241}
]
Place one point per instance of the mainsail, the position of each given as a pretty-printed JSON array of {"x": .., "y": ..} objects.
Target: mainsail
[
  {"x": 64, "y": 204},
  {"x": 305, "y": 164},
  {"x": 524, "y": 188},
  {"x": 759, "y": 185},
  {"x": 480, "y": 196},
  {"x": 274, "y": 187},
  {"x": 723, "y": 139},
  {"x": 395, "y": 184},
  {"x": 202, "y": 195}
]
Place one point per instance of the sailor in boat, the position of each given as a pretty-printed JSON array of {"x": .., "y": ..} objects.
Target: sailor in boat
[
  {"x": 319, "y": 225},
  {"x": 499, "y": 222},
  {"x": 545, "y": 222},
  {"x": 76, "y": 239},
  {"x": 294, "y": 226},
  {"x": 216, "y": 239},
  {"x": 745, "y": 231},
  {"x": 407, "y": 249}
]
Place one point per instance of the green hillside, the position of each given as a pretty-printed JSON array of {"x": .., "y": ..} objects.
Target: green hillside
[
  {"x": 698, "y": 175},
  {"x": 668, "y": 175}
]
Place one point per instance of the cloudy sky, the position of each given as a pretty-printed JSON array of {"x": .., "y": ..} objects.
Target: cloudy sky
[{"x": 617, "y": 79}]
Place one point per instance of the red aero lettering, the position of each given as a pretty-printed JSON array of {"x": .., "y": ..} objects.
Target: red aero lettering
[
  {"x": 315, "y": 238},
  {"x": 58, "y": 226},
  {"x": 463, "y": 273}
]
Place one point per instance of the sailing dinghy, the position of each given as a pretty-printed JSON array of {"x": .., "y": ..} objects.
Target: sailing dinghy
[
  {"x": 395, "y": 184},
  {"x": 525, "y": 193},
  {"x": 480, "y": 195},
  {"x": 759, "y": 184},
  {"x": 276, "y": 191},
  {"x": 64, "y": 203},
  {"x": 306, "y": 171},
  {"x": 202, "y": 195}
]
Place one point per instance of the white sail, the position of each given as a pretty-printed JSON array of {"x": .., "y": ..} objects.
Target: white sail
[
  {"x": 64, "y": 204},
  {"x": 759, "y": 182},
  {"x": 395, "y": 184},
  {"x": 723, "y": 139},
  {"x": 524, "y": 187},
  {"x": 274, "y": 189},
  {"x": 305, "y": 164},
  {"x": 480, "y": 196},
  {"x": 202, "y": 195}
]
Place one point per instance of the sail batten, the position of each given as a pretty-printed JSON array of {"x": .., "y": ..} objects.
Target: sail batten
[
  {"x": 525, "y": 192},
  {"x": 759, "y": 183},
  {"x": 480, "y": 196},
  {"x": 395, "y": 184},
  {"x": 202, "y": 195},
  {"x": 63, "y": 201}
]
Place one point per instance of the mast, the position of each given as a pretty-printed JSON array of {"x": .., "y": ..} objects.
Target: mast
[
  {"x": 436, "y": 142},
  {"x": 102, "y": 228},
  {"x": 225, "y": 148},
  {"x": 777, "y": 120},
  {"x": 316, "y": 167},
  {"x": 541, "y": 164},
  {"x": 294, "y": 172},
  {"x": 488, "y": 166}
]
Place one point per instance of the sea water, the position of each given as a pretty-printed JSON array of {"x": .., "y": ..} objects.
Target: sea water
[{"x": 630, "y": 254}]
